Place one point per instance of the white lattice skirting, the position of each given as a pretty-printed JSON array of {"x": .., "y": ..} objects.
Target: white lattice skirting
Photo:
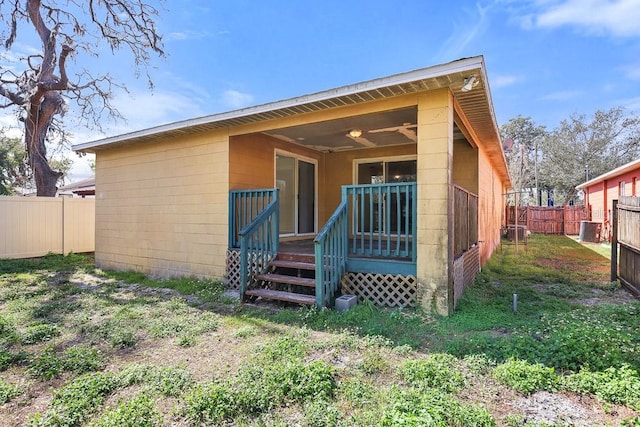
[
  {"x": 465, "y": 269},
  {"x": 387, "y": 290},
  {"x": 232, "y": 276}
]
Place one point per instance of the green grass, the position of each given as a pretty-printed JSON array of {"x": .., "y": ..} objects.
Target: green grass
[{"x": 124, "y": 350}]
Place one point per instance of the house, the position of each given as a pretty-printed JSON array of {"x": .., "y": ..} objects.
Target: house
[
  {"x": 600, "y": 192},
  {"x": 390, "y": 189},
  {"x": 84, "y": 188}
]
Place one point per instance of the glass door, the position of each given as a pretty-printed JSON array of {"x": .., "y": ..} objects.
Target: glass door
[
  {"x": 296, "y": 180},
  {"x": 384, "y": 172}
]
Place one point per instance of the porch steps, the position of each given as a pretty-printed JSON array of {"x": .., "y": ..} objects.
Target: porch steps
[
  {"x": 282, "y": 296},
  {"x": 291, "y": 279}
]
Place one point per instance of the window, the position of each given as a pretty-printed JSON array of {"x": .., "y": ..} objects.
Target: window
[{"x": 621, "y": 189}]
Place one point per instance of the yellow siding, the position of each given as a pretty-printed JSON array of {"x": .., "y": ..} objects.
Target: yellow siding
[
  {"x": 253, "y": 157},
  {"x": 435, "y": 155},
  {"x": 465, "y": 166},
  {"x": 490, "y": 207},
  {"x": 162, "y": 208},
  {"x": 36, "y": 226}
]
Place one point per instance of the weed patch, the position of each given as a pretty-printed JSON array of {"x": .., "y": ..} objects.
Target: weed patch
[
  {"x": 75, "y": 402},
  {"x": 431, "y": 408},
  {"x": 439, "y": 371},
  {"x": 140, "y": 411},
  {"x": 8, "y": 391},
  {"x": 525, "y": 377},
  {"x": 616, "y": 385}
]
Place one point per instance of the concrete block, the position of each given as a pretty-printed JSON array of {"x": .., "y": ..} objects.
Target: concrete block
[{"x": 345, "y": 302}]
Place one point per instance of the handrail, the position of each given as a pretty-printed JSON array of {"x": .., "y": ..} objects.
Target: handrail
[
  {"x": 259, "y": 239},
  {"x": 383, "y": 219},
  {"x": 331, "y": 255},
  {"x": 244, "y": 207}
]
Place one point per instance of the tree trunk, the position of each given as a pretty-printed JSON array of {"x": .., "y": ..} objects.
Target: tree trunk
[{"x": 39, "y": 118}]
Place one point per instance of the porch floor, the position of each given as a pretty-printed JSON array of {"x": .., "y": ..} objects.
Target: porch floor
[{"x": 305, "y": 246}]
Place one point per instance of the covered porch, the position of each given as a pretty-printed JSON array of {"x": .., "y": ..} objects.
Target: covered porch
[{"x": 367, "y": 247}]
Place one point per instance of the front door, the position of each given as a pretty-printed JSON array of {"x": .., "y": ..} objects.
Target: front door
[{"x": 296, "y": 180}]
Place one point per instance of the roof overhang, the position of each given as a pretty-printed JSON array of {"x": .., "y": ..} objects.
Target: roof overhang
[
  {"x": 476, "y": 105},
  {"x": 611, "y": 174}
]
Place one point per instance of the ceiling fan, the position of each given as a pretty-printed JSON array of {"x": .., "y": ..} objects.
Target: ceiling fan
[
  {"x": 406, "y": 129},
  {"x": 356, "y": 135}
]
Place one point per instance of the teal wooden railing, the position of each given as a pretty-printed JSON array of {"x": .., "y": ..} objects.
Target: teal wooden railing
[
  {"x": 383, "y": 219},
  {"x": 244, "y": 207},
  {"x": 331, "y": 255},
  {"x": 259, "y": 244}
]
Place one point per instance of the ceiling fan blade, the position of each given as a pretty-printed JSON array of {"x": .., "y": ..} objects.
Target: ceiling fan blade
[
  {"x": 411, "y": 134},
  {"x": 361, "y": 140},
  {"x": 393, "y": 128}
]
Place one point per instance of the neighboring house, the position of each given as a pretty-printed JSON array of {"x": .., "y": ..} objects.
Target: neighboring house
[
  {"x": 400, "y": 180},
  {"x": 85, "y": 188},
  {"x": 600, "y": 192}
]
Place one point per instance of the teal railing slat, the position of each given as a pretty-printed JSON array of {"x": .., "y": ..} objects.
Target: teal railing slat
[
  {"x": 330, "y": 246},
  {"x": 382, "y": 219},
  {"x": 254, "y": 228}
]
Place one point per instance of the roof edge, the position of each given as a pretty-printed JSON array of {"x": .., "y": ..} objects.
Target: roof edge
[
  {"x": 615, "y": 172},
  {"x": 459, "y": 65}
]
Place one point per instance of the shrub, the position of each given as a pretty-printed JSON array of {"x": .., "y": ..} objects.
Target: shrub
[
  {"x": 526, "y": 377},
  {"x": 440, "y": 371}
]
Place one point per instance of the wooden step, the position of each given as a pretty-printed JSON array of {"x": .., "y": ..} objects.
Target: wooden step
[
  {"x": 283, "y": 263},
  {"x": 282, "y": 296},
  {"x": 297, "y": 257},
  {"x": 290, "y": 280}
]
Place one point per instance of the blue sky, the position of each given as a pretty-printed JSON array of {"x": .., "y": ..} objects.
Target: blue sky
[{"x": 545, "y": 59}]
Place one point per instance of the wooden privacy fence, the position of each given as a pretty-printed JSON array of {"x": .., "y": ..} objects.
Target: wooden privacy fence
[
  {"x": 549, "y": 220},
  {"x": 626, "y": 235},
  {"x": 36, "y": 226},
  {"x": 465, "y": 223}
]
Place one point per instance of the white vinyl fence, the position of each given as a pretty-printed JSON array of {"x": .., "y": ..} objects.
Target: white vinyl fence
[{"x": 36, "y": 226}]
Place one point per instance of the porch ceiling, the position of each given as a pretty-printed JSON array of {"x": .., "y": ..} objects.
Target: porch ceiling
[{"x": 395, "y": 127}]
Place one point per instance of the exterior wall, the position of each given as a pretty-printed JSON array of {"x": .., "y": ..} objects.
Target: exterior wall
[
  {"x": 465, "y": 166},
  {"x": 435, "y": 201},
  {"x": 491, "y": 202},
  {"x": 36, "y": 226},
  {"x": 252, "y": 157},
  {"x": 599, "y": 196},
  {"x": 162, "y": 208}
]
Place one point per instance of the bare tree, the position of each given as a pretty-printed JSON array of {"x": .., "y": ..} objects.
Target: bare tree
[
  {"x": 522, "y": 152},
  {"x": 584, "y": 147},
  {"x": 41, "y": 89}
]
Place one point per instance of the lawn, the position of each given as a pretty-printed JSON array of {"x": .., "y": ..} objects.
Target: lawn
[{"x": 81, "y": 346}]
